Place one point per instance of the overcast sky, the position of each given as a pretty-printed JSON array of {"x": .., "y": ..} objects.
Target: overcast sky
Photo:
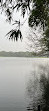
[
  {"x": 5, "y": 27},
  {"x": 5, "y": 44}
]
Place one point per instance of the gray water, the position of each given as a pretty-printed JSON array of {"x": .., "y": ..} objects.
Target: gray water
[{"x": 24, "y": 84}]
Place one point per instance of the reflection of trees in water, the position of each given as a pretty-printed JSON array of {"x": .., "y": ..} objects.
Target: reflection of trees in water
[
  {"x": 45, "y": 83},
  {"x": 38, "y": 90}
]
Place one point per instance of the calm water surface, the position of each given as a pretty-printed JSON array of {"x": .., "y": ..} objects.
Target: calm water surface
[{"x": 24, "y": 84}]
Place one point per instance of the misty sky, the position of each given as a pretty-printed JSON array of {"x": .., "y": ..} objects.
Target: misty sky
[
  {"x": 5, "y": 44},
  {"x": 5, "y": 27}
]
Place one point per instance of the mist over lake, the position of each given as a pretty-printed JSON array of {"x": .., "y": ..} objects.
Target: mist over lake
[{"x": 24, "y": 84}]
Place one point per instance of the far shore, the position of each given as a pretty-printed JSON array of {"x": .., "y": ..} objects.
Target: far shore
[{"x": 24, "y": 57}]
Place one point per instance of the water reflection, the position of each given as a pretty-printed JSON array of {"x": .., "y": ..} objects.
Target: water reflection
[
  {"x": 38, "y": 90},
  {"x": 18, "y": 73}
]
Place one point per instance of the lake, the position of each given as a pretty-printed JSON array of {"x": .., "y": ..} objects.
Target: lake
[{"x": 24, "y": 84}]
